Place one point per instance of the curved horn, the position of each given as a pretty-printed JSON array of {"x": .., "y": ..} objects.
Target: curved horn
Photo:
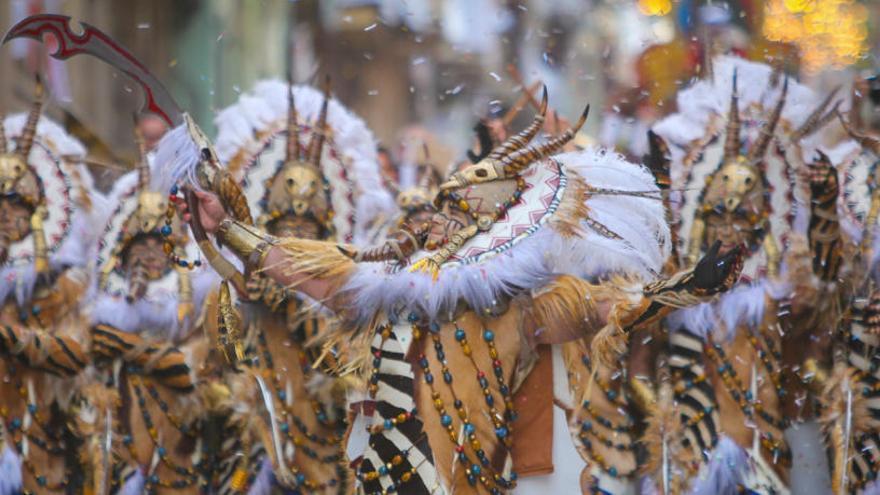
[
  {"x": 316, "y": 145},
  {"x": 401, "y": 246},
  {"x": 143, "y": 165},
  {"x": 26, "y": 141},
  {"x": 816, "y": 118},
  {"x": 293, "y": 148},
  {"x": 763, "y": 142},
  {"x": 519, "y": 160},
  {"x": 3, "y": 149},
  {"x": 521, "y": 140},
  {"x": 731, "y": 139},
  {"x": 865, "y": 141},
  {"x": 426, "y": 179}
]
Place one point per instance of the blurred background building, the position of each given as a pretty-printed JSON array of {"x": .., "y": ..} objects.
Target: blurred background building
[{"x": 437, "y": 64}]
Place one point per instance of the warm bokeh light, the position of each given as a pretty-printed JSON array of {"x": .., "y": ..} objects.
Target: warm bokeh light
[
  {"x": 829, "y": 33},
  {"x": 655, "y": 7}
]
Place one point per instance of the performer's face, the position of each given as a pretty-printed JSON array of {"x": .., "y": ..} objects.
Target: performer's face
[
  {"x": 147, "y": 252},
  {"x": 15, "y": 222},
  {"x": 730, "y": 229}
]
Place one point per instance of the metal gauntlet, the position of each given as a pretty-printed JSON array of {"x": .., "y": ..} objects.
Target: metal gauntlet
[{"x": 248, "y": 243}]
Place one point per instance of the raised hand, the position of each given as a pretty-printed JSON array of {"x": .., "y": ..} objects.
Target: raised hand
[{"x": 211, "y": 211}]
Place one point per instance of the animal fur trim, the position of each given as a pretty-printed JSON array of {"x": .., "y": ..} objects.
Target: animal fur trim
[
  {"x": 89, "y": 205},
  {"x": 638, "y": 251},
  {"x": 264, "y": 109}
]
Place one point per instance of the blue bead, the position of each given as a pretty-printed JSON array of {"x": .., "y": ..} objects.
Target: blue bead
[
  {"x": 16, "y": 423},
  {"x": 36, "y": 309},
  {"x": 476, "y": 469},
  {"x": 154, "y": 479},
  {"x": 587, "y": 425},
  {"x": 126, "y": 439},
  {"x": 388, "y": 424},
  {"x": 383, "y": 470},
  {"x": 612, "y": 471},
  {"x": 300, "y": 478},
  {"x": 501, "y": 432},
  {"x": 423, "y": 362},
  {"x": 282, "y": 395},
  {"x": 512, "y": 476},
  {"x": 41, "y": 480},
  {"x": 748, "y": 395},
  {"x": 468, "y": 428},
  {"x": 173, "y": 189},
  {"x": 459, "y": 335},
  {"x": 434, "y": 327},
  {"x": 322, "y": 417},
  {"x": 285, "y": 427},
  {"x": 182, "y": 263},
  {"x": 447, "y": 377},
  {"x": 488, "y": 335},
  {"x": 472, "y": 479},
  {"x": 161, "y": 451},
  {"x": 429, "y": 378},
  {"x": 446, "y": 420},
  {"x": 32, "y": 408},
  {"x": 166, "y": 230},
  {"x": 612, "y": 394},
  {"x": 413, "y": 317}
]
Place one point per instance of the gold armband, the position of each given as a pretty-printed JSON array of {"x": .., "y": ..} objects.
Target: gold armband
[{"x": 249, "y": 244}]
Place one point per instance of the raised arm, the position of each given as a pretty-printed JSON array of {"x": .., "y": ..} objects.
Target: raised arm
[{"x": 314, "y": 268}]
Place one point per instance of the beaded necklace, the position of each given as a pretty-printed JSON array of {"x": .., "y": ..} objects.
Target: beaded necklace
[
  {"x": 189, "y": 473},
  {"x": 747, "y": 403},
  {"x": 20, "y": 433},
  {"x": 289, "y": 417},
  {"x": 492, "y": 480},
  {"x": 589, "y": 435},
  {"x": 166, "y": 231}
]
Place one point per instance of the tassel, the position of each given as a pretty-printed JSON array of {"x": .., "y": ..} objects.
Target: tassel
[
  {"x": 185, "y": 306},
  {"x": 41, "y": 252}
]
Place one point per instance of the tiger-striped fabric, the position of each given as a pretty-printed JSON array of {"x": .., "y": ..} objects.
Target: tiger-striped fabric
[
  {"x": 395, "y": 395},
  {"x": 164, "y": 363},
  {"x": 824, "y": 227},
  {"x": 58, "y": 355},
  {"x": 693, "y": 393},
  {"x": 862, "y": 355}
]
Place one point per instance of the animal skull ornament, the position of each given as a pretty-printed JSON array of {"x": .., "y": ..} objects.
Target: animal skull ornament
[
  {"x": 150, "y": 212},
  {"x": 12, "y": 169}
]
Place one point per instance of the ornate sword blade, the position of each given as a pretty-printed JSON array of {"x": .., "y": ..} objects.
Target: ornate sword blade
[{"x": 94, "y": 42}]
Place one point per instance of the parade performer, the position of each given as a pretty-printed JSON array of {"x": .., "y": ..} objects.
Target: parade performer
[
  {"x": 737, "y": 159},
  {"x": 849, "y": 398},
  {"x": 47, "y": 209},
  {"x": 444, "y": 302},
  {"x": 148, "y": 290},
  {"x": 308, "y": 170},
  {"x": 471, "y": 291}
]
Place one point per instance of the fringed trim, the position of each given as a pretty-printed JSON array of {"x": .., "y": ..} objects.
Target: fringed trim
[
  {"x": 664, "y": 425},
  {"x": 572, "y": 209},
  {"x": 611, "y": 341},
  {"x": 568, "y": 305},
  {"x": 315, "y": 260}
]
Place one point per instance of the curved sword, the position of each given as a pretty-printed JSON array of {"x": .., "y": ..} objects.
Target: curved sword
[{"x": 94, "y": 42}]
